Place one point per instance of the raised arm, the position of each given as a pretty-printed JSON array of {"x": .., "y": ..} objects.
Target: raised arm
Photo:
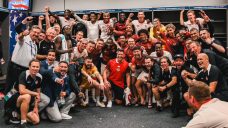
[
  {"x": 128, "y": 21},
  {"x": 182, "y": 17},
  {"x": 47, "y": 19}
]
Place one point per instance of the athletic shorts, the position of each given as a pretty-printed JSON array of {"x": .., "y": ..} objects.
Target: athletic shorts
[{"x": 118, "y": 91}]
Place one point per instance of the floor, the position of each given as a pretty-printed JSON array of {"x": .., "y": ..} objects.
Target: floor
[{"x": 115, "y": 117}]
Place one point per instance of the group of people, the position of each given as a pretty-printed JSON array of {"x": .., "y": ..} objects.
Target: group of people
[{"x": 131, "y": 62}]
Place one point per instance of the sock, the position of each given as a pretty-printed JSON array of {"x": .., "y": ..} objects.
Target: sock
[
  {"x": 23, "y": 121},
  {"x": 93, "y": 93},
  {"x": 98, "y": 98},
  {"x": 159, "y": 103},
  {"x": 87, "y": 95}
]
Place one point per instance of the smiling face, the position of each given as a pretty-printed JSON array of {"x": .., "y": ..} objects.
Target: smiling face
[
  {"x": 141, "y": 17},
  {"x": 195, "y": 48},
  {"x": 63, "y": 67},
  {"x": 51, "y": 57},
  {"x": 178, "y": 63},
  {"x": 148, "y": 63},
  {"x": 202, "y": 61},
  {"x": 90, "y": 47},
  {"x": 50, "y": 33},
  {"x": 164, "y": 63},
  {"x": 34, "y": 68},
  {"x": 88, "y": 63},
  {"x": 131, "y": 43},
  {"x": 137, "y": 54},
  {"x": 120, "y": 56},
  {"x": 204, "y": 34},
  {"x": 194, "y": 35},
  {"x": 191, "y": 16},
  {"x": 106, "y": 17},
  {"x": 34, "y": 33}
]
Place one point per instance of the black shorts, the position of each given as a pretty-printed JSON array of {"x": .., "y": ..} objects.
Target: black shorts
[
  {"x": 12, "y": 102},
  {"x": 118, "y": 91}
]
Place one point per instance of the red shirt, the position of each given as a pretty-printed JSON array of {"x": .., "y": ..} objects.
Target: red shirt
[
  {"x": 138, "y": 63},
  {"x": 128, "y": 54},
  {"x": 117, "y": 72},
  {"x": 147, "y": 45}
]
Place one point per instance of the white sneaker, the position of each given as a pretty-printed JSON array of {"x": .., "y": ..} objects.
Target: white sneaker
[
  {"x": 65, "y": 116},
  {"x": 100, "y": 104},
  {"x": 109, "y": 105}
]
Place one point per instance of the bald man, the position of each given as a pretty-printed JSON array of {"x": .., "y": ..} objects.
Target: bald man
[{"x": 212, "y": 76}]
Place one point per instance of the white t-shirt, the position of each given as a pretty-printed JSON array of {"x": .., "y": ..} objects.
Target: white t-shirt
[
  {"x": 92, "y": 29},
  {"x": 166, "y": 53},
  {"x": 76, "y": 54},
  {"x": 139, "y": 26},
  {"x": 65, "y": 22},
  {"x": 189, "y": 25},
  {"x": 105, "y": 29},
  {"x": 213, "y": 114},
  {"x": 24, "y": 51}
]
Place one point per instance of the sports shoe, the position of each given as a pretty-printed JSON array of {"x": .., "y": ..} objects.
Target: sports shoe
[
  {"x": 109, "y": 105},
  {"x": 24, "y": 125},
  {"x": 100, "y": 104},
  {"x": 65, "y": 116},
  {"x": 14, "y": 120}
]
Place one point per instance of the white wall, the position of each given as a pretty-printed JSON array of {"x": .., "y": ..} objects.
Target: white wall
[
  {"x": 1, "y": 3},
  {"x": 58, "y": 5}
]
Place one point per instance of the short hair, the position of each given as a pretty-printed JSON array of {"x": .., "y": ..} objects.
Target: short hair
[
  {"x": 196, "y": 42},
  {"x": 92, "y": 13},
  {"x": 150, "y": 57},
  {"x": 63, "y": 62},
  {"x": 202, "y": 29},
  {"x": 79, "y": 31},
  {"x": 191, "y": 11},
  {"x": 51, "y": 50},
  {"x": 166, "y": 58},
  {"x": 137, "y": 48},
  {"x": 35, "y": 27},
  {"x": 143, "y": 31},
  {"x": 88, "y": 58},
  {"x": 199, "y": 90},
  {"x": 91, "y": 42},
  {"x": 158, "y": 43},
  {"x": 119, "y": 50},
  {"x": 194, "y": 29},
  {"x": 99, "y": 39},
  {"x": 170, "y": 26},
  {"x": 33, "y": 60}
]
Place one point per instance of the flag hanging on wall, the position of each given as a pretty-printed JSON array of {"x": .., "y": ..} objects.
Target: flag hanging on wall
[{"x": 16, "y": 17}]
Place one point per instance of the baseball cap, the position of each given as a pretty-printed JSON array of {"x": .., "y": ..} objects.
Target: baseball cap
[{"x": 178, "y": 56}]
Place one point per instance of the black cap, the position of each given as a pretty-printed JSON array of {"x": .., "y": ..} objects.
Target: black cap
[{"x": 179, "y": 56}]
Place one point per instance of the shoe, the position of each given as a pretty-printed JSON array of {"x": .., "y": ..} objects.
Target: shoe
[
  {"x": 159, "y": 108},
  {"x": 109, "y": 105},
  {"x": 14, "y": 120},
  {"x": 65, "y": 116},
  {"x": 100, "y": 104},
  {"x": 24, "y": 125}
]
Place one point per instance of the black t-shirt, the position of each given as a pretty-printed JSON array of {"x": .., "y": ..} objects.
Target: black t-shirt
[
  {"x": 30, "y": 83},
  {"x": 181, "y": 82},
  {"x": 167, "y": 75},
  {"x": 214, "y": 75},
  {"x": 44, "y": 47}
]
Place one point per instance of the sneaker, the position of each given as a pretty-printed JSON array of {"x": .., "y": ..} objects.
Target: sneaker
[
  {"x": 100, "y": 104},
  {"x": 24, "y": 125},
  {"x": 159, "y": 108},
  {"x": 14, "y": 120},
  {"x": 109, "y": 105},
  {"x": 65, "y": 116}
]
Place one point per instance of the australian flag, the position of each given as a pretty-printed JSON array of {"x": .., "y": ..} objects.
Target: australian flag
[{"x": 16, "y": 17}]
